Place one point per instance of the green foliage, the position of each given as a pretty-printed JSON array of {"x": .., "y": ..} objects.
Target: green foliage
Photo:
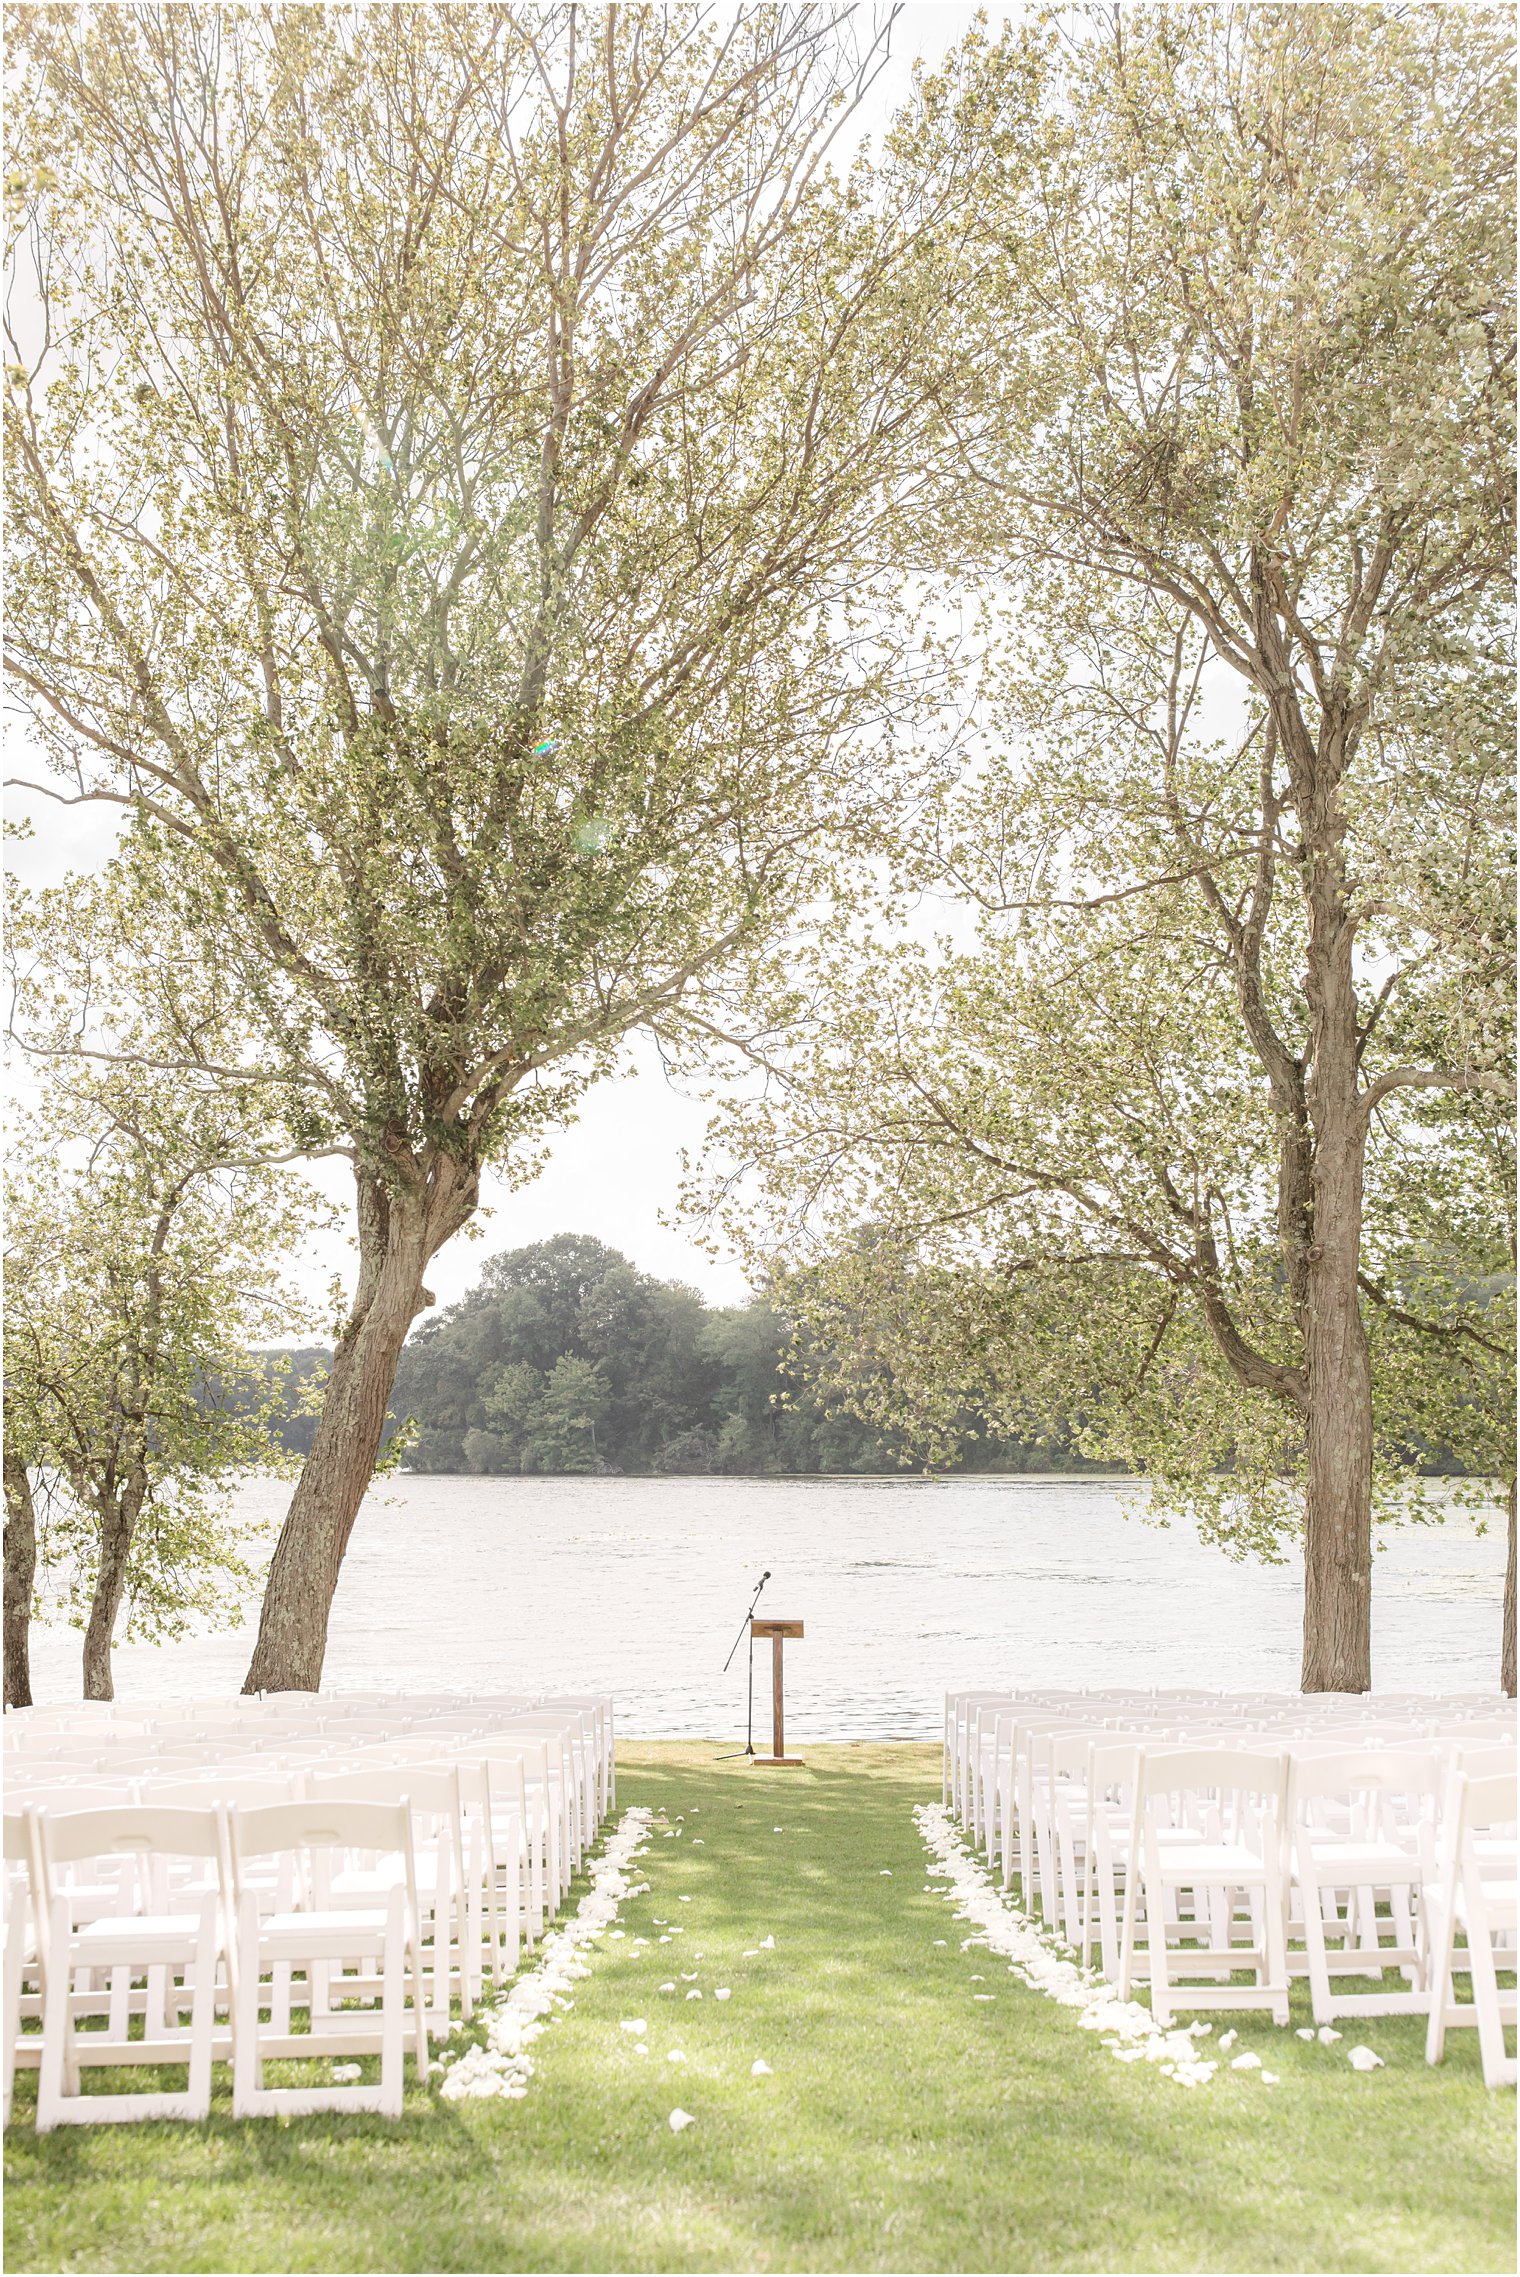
[
  {"x": 1229, "y": 1055},
  {"x": 142, "y": 1259},
  {"x": 566, "y": 1358},
  {"x": 446, "y": 496}
]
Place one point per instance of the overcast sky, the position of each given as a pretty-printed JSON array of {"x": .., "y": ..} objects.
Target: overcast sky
[{"x": 615, "y": 1172}]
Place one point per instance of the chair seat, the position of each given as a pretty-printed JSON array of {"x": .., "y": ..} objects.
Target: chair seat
[
  {"x": 164, "y": 1936},
  {"x": 390, "y": 1874},
  {"x": 324, "y": 1935},
  {"x": 1211, "y": 1862},
  {"x": 1366, "y": 1861}
]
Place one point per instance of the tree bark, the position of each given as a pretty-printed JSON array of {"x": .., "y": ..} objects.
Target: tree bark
[
  {"x": 21, "y": 1578},
  {"x": 118, "y": 1516},
  {"x": 401, "y": 1225},
  {"x": 1337, "y": 1648},
  {"x": 1507, "y": 1647},
  {"x": 1337, "y": 1654}
]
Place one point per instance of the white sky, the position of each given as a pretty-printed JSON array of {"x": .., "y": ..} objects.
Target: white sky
[{"x": 615, "y": 1172}]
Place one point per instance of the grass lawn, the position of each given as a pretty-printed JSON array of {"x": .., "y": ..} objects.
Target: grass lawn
[{"x": 907, "y": 2124}]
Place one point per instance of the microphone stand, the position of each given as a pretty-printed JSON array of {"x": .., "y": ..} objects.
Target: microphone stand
[{"x": 749, "y": 1722}]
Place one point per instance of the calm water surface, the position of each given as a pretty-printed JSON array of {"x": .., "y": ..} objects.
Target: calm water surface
[{"x": 907, "y": 1586}]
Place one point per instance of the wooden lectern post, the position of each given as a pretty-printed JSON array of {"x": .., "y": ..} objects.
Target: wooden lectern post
[{"x": 776, "y": 1631}]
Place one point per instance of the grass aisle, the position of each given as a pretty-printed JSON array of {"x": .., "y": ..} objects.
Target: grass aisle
[{"x": 906, "y": 2123}]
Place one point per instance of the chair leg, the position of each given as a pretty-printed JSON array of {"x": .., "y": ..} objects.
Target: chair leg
[
  {"x": 1443, "y": 1937},
  {"x": 1321, "y": 1998},
  {"x": 203, "y": 2013},
  {"x": 1274, "y": 1906},
  {"x": 57, "y": 2025},
  {"x": 1498, "y": 2068},
  {"x": 1156, "y": 1952},
  {"x": 419, "y": 2007},
  {"x": 393, "y": 2027},
  {"x": 247, "y": 2068}
]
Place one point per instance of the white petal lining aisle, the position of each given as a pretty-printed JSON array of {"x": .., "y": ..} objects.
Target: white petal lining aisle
[
  {"x": 501, "y": 2065},
  {"x": 1132, "y": 2034}
]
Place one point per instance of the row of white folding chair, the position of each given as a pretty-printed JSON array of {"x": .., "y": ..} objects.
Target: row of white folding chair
[
  {"x": 1059, "y": 1786},
  {"x": 1046, "y": 1790},
  {"x": 261, "y": 1784},
  {"x": 1219, "y": 1854},
  {"x": 966, "y": 1711},
  {"x": 547, "y": 1821},
  {"x": 311, "y": 1715},
  {"x": 1012, "y": 1783},
  {"x": 980, "y": 1729},
  {"x": 492, "y": 1932},
  {"x": 217, "y": 1932},
  {"x": 562, "y": 1787},
  {"x": 503, "y": 1850}
]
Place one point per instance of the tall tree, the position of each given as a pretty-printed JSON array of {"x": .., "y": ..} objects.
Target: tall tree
[
  {"x": 153, "y": 1233},
  {"x": 141, "y": 1260},
  {"x": 1237, "y": 485},
  {"x": 452, "y": 460}
]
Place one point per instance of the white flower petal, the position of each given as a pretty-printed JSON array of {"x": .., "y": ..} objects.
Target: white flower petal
[
  {"x": 680, "y": 2120},
  {"x": 1363, "y": 2059},
  {"x": 760, "y": 2069}
]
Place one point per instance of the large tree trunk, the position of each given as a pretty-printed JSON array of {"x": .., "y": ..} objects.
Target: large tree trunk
[
  {"x": 21, "y": 1578},
  {"x": 399, "y": 1230},
  {"x": 1337, "y": 1655},
  {"x": 1507, "y": 1648},
  {"x": 118, "y": 1523}
]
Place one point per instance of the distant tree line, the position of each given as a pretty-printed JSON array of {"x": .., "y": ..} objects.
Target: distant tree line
[{"x": 566, "y": 1358}]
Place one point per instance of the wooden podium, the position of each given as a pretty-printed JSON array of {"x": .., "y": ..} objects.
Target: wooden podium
[{"x": 777, "y": 1631}]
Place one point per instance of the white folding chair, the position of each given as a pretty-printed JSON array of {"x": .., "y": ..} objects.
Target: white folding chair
[
  {"x": 1362, "y": 1826},
  {"x": 1474, "y": 1892},
  {"x": 1208, "y": 1822},
  {"x": 23, "y": 1947},
  {"x": 438, "y": 1852},
  {"x": 186, "y": 1936},
  {"x": 333, "y": 1946}
]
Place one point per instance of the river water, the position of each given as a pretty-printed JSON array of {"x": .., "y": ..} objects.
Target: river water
[{"x": 906, "y": 1586}]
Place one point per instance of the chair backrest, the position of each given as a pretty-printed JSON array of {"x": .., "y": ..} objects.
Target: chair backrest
[
  {"x": 319, "y": 1825},
  {"x": 426, "y": 1787},
  {"x": 1237, "y": 1770},
  {"x": 135, "y": 1830},
  {"x": 1485, "y": 1802},
  {"x": 71, "y": 1794},
  {"x": 1378, "y": 1770},
  {"x": 245, "y": 1789},
  {"x": 1483, "y": 1760}
]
